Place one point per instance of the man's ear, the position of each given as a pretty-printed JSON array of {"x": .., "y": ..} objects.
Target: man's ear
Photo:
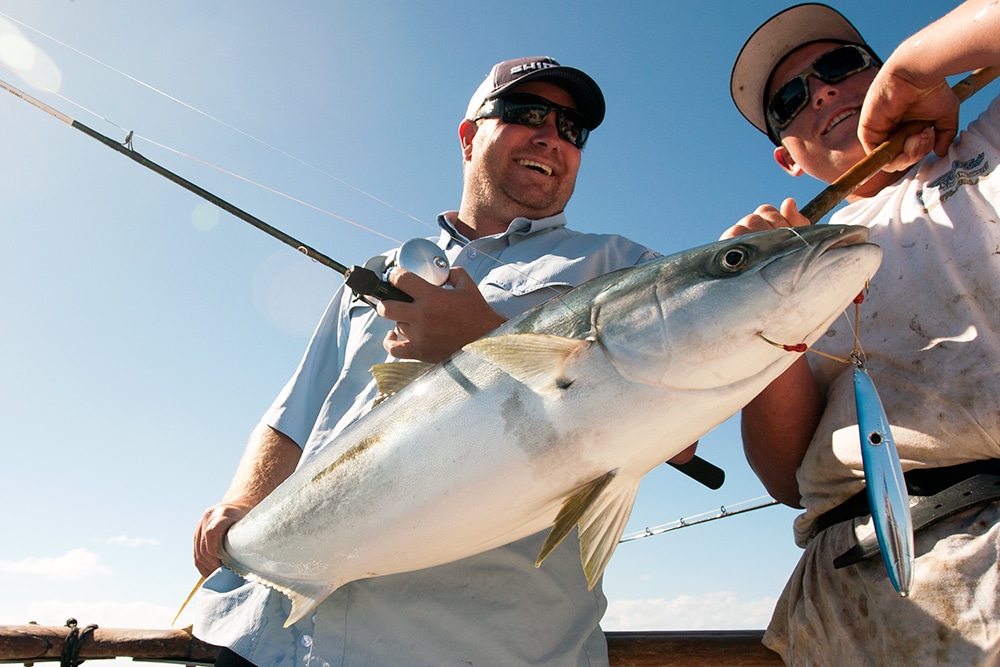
[
  {"x": 786, "y": 161},
  {"x": 466, "y": 131}
]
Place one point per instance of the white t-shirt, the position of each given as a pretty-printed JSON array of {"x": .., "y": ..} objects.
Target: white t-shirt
[
  {"x": 930, "y": 324},
  {"x": 930, "y": 328}
]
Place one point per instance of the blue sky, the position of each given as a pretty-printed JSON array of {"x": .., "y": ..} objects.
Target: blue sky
[{"x": 143, "y": 332}]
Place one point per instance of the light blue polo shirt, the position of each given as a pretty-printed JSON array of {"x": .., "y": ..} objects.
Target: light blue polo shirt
[{"x": 495, "y": 608}]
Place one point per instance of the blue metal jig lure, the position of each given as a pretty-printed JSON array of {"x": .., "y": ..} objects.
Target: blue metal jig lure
[{"x": 885, "y": 484}]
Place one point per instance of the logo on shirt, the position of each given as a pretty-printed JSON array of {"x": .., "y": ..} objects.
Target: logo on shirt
[{"x": 961, "y": 174}]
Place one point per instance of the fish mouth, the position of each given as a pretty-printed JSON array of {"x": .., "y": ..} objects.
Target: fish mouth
[
  {"x": 536, "y": 166},
  {"x": 787, "y": 282},
  {"x": 848, "y": 236}
]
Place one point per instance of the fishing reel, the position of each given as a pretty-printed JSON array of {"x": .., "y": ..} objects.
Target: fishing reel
[{"x": 419, "y": 256}]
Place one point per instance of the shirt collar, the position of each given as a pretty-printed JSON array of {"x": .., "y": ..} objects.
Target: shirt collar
[{"x": 518, "y": 226}]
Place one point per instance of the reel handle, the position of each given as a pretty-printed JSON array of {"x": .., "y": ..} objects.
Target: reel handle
[{"x": 366, "y": 282}]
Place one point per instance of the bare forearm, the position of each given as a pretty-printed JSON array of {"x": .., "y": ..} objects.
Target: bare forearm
[
  {"x": 912, "y": 84},
  {"x": 270, "y": 457},
  {"x": 777, "y": 428},
  {"x": 966, "y": 38}
]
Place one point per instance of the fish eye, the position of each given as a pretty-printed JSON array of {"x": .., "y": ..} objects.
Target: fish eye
[{"x": 734, "y": 259}]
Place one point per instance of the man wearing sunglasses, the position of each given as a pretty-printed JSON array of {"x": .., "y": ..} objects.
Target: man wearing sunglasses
[
  {"x": 521, "y": 140},
  {"x": 928, "y": 328}
]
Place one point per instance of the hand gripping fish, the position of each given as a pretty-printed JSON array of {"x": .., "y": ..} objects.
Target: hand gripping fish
[{"x": 551, "y": 421}]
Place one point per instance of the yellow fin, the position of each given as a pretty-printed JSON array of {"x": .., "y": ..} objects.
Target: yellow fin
[
  {"x": 602, "y": 527},
  {"x": 536, "y": 360},
  {"x": 392, "y": 377},
  {"x": 572, "y": 512},
  {"x": 187, "y": 600},
  {"x": 601, "y": 510}
]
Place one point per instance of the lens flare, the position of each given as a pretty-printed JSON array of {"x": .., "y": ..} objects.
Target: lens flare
[{"x": 20, "y": 56}]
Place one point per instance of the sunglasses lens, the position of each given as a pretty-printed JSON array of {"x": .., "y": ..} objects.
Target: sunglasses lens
[
  {"x": 571, "y": 127},
  {"x": 532, "y": 110},
  {"x": 525, "y": 114},
  {"x": 839, "y": 64},
  {"x": 788, "y": 101}
]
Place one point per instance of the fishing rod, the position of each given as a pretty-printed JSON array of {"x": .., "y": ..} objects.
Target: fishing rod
[
  {"x": 724, "y": 512},
  {"x": 362, "y": 280},
  {"x": 417, "y": 255}
]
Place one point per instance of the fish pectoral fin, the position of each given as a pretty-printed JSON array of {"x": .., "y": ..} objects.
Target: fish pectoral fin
[
  {"x": 305, "y": 596},
  {"x": 601, "y": 510},
  {"x": 536, "y": 360},
  {"x": 392, "y": 377}
]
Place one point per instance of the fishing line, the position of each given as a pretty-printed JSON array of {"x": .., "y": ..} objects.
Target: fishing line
[
  {"x": 176, "y": 100},
  {"x": 268, "y": 188},
  {"x": 724, "y": 512},
  {"x": 857, "y": 353},
  {"x": 131, "y": 135},
  {"x": 66, "y": 99},
  {"x": 209, "y": 117},
  {"x": 796, "y": 233}
]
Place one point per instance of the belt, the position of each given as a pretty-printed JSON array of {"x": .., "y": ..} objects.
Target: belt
[{"x": 935, "y": 494}]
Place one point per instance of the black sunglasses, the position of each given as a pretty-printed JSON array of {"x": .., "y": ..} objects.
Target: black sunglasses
[
  {"x": 527, "y": 109},
  {"x": 832, "y": 67}
]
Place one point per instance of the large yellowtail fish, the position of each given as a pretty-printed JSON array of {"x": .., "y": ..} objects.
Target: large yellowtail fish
[{"x": 551, "y": 421}]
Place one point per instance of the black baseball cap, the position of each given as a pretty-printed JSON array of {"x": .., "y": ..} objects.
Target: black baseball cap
[{"x": 509, "y": 73}]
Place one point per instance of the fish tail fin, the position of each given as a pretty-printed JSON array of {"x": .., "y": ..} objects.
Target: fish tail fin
[
  {"x": 187, "y": 600},
  {"x": 601, "y": 509}
]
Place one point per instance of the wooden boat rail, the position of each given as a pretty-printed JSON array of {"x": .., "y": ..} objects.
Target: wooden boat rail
[{"x": 28, "y": 644}]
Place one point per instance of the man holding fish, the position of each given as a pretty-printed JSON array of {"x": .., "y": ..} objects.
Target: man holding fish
[
  {"x": 929, "y": 329},
  {"x": 521, "y": 141}
]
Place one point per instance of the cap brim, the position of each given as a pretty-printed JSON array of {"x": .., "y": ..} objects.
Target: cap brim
[{"x": 771, "y": 42}]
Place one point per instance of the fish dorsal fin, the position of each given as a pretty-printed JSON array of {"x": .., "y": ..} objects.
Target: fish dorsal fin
[
  {"x": 392, "y": 377},
  {"x": 536, "y": 360},
  {"x": 601, "y": 510}
]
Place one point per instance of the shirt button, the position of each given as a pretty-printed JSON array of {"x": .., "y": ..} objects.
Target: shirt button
[{"x": 472, "y": 254}]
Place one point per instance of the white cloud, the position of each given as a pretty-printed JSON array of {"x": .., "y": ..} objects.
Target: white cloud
[
  {"x": 74, "y": 564},
  {"x": 105, "y": 613},
  {"x": 134, "y": 541},
  {"x": 720, "y": 610}
]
